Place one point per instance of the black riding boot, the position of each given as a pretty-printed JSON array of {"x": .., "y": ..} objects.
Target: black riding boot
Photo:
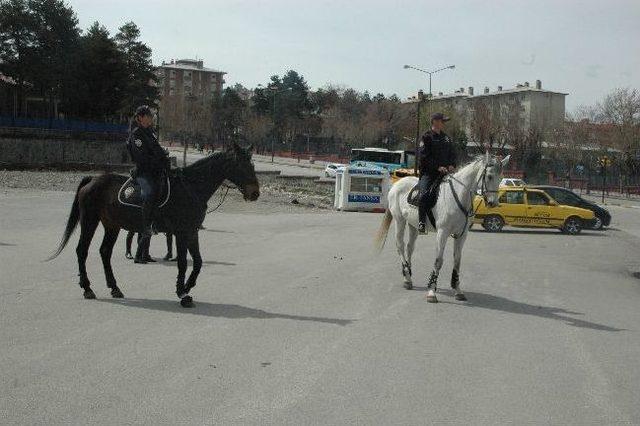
[
  {"x": 144, "y": 237},
  {"x": 422, "y": 217},
  {"x": 149, "y": 217},
  {"x": 425, "y": 202}
]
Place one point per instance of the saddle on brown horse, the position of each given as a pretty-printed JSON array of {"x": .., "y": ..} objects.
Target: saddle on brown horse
[{"x": 130, "y": 194}]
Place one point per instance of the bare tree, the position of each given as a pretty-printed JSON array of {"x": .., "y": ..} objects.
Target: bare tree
[
  {"x": 257, "y": 129},
  {"x": 483, "y": 125},
  {"x": 621, "y": 108}
]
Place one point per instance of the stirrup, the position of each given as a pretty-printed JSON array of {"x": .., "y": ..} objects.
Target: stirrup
[{"x": 422, "y": 228}]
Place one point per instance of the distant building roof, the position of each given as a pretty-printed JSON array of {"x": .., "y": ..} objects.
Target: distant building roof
[
  {"x": 462, "y": 94},
  {"x": 520, "y": 89},
  {"x": 189, "y": 64}
]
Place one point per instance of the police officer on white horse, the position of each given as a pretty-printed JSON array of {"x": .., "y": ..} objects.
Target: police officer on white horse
[{"x": 437, "y": 158}]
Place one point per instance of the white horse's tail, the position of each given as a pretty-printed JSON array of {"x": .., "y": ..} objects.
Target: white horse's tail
[{"x": 381, "y": 236}]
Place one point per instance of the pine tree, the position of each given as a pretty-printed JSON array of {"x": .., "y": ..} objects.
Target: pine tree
[
  {"x": 17, "y": 43},
  {"x": 56, "y": 37},
  {"x": 140, "y": 74},
  {"x": 101, "y": 75}
]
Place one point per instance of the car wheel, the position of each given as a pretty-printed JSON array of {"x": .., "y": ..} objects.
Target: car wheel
[
  {"x": 597, "y": 224},
  {"x": 572, "y": 226},
  {"x": 493, "y": 223}
]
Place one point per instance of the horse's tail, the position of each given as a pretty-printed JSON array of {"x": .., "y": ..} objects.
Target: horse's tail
[
  {"x": 381, "y": 236},
  {"x": 72, "y": 222}
]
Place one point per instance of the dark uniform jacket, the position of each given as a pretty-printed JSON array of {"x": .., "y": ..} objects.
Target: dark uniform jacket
[
  {"x": 146, "y": 152},
  {"x": 437, "y": 151}
]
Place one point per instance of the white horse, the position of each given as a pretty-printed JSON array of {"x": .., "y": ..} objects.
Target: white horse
[{"x": 453, "y": 215}]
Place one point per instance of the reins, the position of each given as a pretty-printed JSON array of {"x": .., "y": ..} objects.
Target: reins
[
  {"x": 223, "y": 198},
  {"x": 471, "y": 211}
]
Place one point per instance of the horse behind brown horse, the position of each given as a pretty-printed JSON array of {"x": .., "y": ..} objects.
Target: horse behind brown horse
[{"x": 96, "y": 201}]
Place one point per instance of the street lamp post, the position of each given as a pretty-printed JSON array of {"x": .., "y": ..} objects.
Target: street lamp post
[
  {"x": 273, "y": 115},
  {"x": 449, "y": 67}
]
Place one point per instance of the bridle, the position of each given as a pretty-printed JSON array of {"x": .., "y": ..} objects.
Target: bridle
[{"x": 470, "y": 211}]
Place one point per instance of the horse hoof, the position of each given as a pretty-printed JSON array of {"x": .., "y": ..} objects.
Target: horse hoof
[
  {"x": 461, "y": 297},
  {"x": 116, "y": 293},
  {"x": 187, "y": 302},
  {"x": 408, "y": 285},
  {"x": 89, "y": 294},
  {"x": 432, "y": 299}
]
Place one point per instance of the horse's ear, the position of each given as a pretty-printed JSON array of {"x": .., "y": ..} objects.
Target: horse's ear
[{"x": 505, "y": 161}]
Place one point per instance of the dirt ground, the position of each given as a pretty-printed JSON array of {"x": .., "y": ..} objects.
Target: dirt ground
[{"x": 275, "y": 197}]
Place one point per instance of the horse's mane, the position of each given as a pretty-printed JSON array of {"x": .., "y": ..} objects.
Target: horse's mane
[
  {"x": 466, "y": 168},
  {"x": 196, "y": 168}
]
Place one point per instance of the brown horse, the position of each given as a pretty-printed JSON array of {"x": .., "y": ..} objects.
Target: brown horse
[{"x": 96, "y": 201}]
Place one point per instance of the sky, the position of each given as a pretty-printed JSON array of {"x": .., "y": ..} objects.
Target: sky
[{"x": 583, "y": 48}]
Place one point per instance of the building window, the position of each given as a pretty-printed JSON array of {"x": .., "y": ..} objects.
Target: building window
[
  {"x": 172, "y": 91},
  {"x": 172, "y": 74}
]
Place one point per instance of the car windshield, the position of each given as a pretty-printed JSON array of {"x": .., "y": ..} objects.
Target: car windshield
[{"x": 564, "y": 197}]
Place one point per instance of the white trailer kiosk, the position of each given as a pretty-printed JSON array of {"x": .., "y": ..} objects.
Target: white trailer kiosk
[{"x": 361, "y": 188}]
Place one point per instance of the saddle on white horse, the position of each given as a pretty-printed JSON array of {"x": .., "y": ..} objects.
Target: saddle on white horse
[
  {"x": 413, "y": 198},
  {"x": 131, "y": 195},
  {"x": 433, "y": 191}
]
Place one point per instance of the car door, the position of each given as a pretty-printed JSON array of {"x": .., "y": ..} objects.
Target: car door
[
  {"x": 512, "y": 207},
  {"x": 540, "y": 211}
]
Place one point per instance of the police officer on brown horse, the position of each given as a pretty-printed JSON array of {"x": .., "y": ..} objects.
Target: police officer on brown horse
[
  {"x": 151, "y": 162},
  {"x": 437, "y": 158}
]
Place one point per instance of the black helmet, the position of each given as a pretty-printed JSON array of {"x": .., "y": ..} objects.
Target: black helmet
[{"x": 143, "y": 110}]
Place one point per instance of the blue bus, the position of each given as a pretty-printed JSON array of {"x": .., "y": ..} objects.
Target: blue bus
[{"x": 384, "y": 158}]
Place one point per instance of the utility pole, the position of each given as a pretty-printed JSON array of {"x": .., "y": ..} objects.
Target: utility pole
[
  {"x": 273, "y": 118},
  {"x": 273, "y": 115},
  {"x": 420, "y": 95},
  {"x": 417, "y": 141}
]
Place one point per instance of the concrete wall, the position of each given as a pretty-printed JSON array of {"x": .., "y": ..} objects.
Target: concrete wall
[
  {"x": 61, "y": 153},
  {"x": 547, "y": 110}
]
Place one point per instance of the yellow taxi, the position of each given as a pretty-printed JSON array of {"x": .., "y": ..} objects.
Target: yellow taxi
[{"x": 530, "y": 208}]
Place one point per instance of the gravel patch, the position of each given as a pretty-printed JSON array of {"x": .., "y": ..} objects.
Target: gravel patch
[{"x": 276, "y": 197}]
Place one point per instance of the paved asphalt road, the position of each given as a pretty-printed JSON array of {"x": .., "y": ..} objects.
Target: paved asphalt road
[{"x": 297, "y": 323}]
